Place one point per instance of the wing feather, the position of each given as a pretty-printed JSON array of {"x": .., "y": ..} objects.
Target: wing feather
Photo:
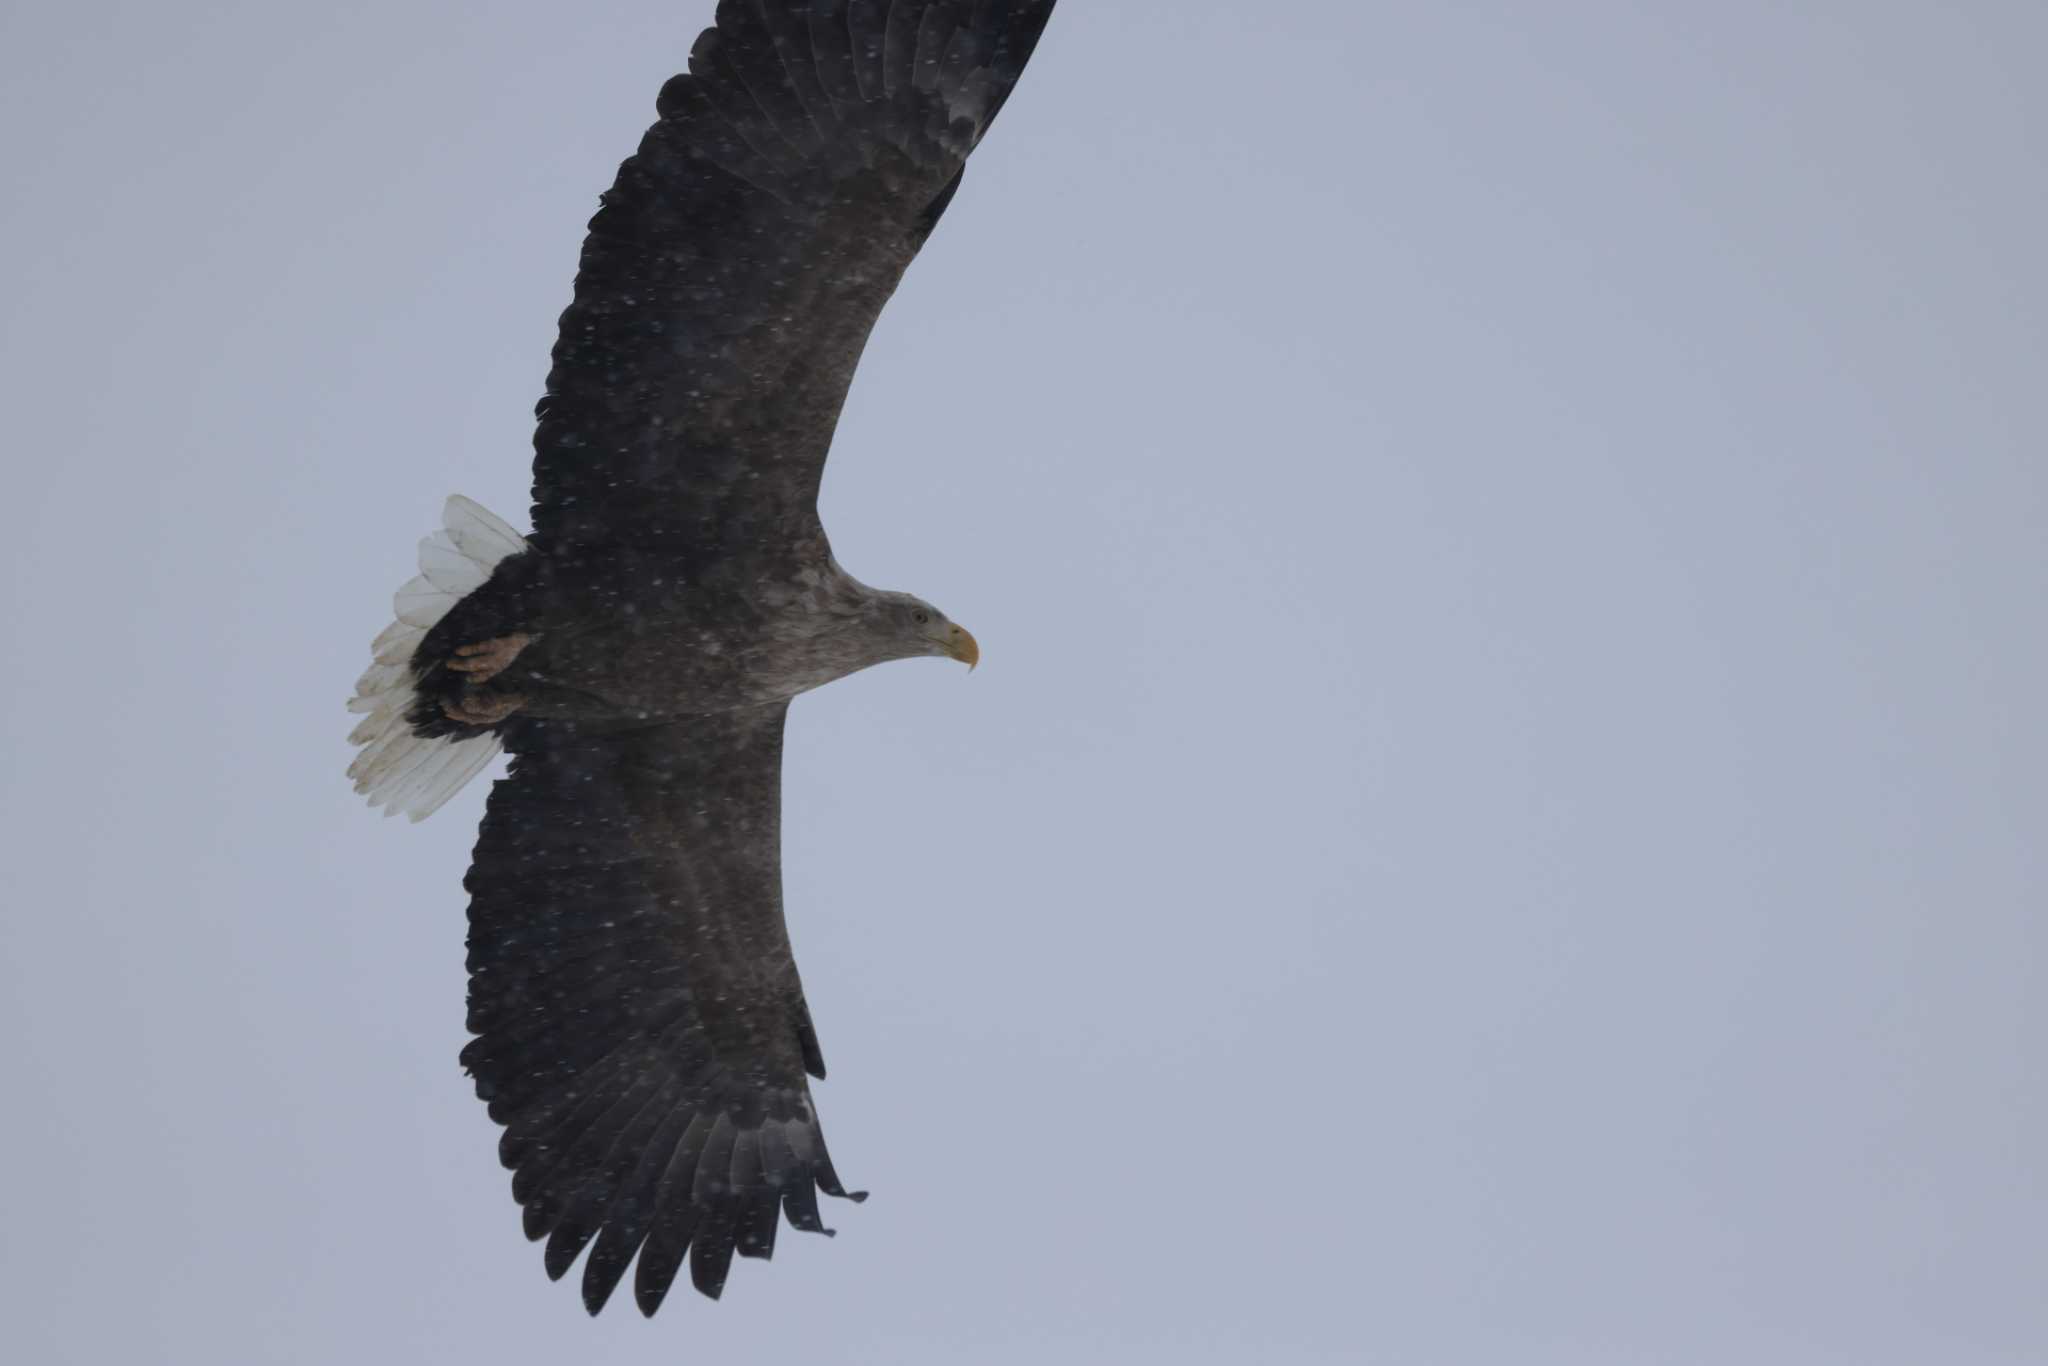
[
  {"x": 593, "y": 1204},
  {"x": 832, "y": 56},
  {"x": 632, "y": 1213},
  {"x": 711, "y": 1250},
  {"x": 867, "y": 26}
]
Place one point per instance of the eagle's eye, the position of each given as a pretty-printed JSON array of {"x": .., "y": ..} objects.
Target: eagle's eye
[{"x": 920, "y": 616}]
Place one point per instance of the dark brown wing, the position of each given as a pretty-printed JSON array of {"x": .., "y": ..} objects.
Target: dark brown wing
[
  {"x": 642, "y": 1033},
  {"x": 731, "y": 278}
]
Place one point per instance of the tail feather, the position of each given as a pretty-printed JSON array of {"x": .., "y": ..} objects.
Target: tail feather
[{"x": 396, "y": 769}]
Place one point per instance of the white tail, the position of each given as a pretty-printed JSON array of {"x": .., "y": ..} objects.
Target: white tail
[{"x": 398, "y": 770}]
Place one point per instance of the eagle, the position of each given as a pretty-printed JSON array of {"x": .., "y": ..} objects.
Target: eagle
[{"x": 640, "y": 1027}]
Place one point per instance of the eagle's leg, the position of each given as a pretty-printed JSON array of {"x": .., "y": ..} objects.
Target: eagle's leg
[{"x": 486, "y": 659}]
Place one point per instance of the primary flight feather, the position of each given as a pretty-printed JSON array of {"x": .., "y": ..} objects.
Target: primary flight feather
[{"x": 640, "y": 1028}]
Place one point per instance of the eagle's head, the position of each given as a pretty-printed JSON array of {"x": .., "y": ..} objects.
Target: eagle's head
[{"x": 908, "y": 626}]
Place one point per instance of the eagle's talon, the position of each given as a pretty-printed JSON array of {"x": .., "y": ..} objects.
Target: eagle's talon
[
  {"x": 486, "y": 659},
  {"x": 482, "y": 709}
]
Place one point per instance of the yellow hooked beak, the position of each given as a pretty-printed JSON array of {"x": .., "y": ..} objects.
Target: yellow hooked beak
[{"x": 960, "y": 645}]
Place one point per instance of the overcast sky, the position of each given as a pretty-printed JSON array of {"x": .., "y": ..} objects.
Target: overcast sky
[{"x": 1502, "y": 819}]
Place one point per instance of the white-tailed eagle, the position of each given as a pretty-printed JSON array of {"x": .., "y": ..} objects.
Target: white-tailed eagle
[{"x": 640, "y": 1028}]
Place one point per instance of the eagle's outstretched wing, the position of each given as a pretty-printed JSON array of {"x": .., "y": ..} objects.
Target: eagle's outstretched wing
[
  {"x": 731, "y": 277},
  {"x": 641, "y": 1031}
]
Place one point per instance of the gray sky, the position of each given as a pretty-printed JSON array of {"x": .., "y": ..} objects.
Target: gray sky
[{"x": 1502, "y": 820}]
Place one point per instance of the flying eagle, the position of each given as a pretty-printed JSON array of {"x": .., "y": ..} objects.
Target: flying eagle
[{"x": 640, "y": 1028}]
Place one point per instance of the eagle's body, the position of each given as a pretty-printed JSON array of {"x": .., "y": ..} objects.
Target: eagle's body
[
  {"x": 641, "y": 1029},
  {"x": 628, "y": 636}
]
